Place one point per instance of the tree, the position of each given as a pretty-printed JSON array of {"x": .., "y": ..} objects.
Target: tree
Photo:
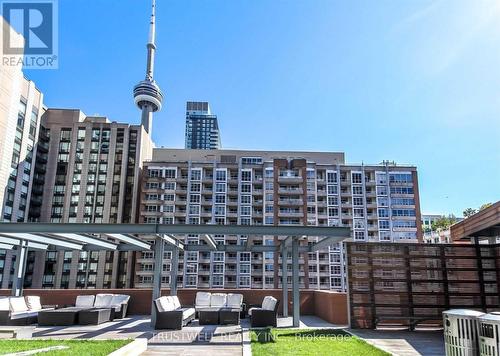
[
  {"x": 484, "y": 206},
  {"x": 444, "y": 222},
  {"x": 469, "y": 212}
]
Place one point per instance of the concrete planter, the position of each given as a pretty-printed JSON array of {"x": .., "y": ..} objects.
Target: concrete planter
[{"x": 135, "y": 348}]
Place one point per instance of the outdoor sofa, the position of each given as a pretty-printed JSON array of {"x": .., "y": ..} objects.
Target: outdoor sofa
[
  {"x": 170, "y": 314},
  {"x": 88, "y": 309},
  {"x": 266, "y": 314},
  {"x": 218, "y": 308},
  {"x": 20, "y": 310}
]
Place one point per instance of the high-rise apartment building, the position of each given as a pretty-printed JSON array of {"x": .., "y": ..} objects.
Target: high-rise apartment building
[
  {"x": 379, "y": 202},
  {"x": 202, "y": 127},
  {"x": 90, "y": 169},
  {"x": 21, "y": 107}
]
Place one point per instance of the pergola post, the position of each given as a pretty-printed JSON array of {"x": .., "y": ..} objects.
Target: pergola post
[
  {"x": 174, "y": 267},
  {"x": 20, "y": 268},
  {"x": 284, "y": 278},
  {"x": 295, "y": 283},
  {"x": 156, "y": 293}
]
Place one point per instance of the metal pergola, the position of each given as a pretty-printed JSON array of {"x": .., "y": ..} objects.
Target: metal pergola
[{"x": 127, "y": 237}]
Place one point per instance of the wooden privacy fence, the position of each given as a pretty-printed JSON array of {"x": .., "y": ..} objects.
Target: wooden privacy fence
[{"x": 405, "y": 284}]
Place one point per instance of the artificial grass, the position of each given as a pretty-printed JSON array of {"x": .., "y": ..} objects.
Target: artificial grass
[
  {"x": 76, "y": 347},
  {"x": 309, "y": 342}
]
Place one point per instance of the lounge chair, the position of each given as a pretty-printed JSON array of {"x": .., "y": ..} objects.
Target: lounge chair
[
  {"x": 170, "y": 314},
  {"x": 266, "y": 315}
]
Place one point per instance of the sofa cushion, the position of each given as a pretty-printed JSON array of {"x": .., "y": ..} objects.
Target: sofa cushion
[
  {"x": 218, "y": 300},
  {"x": 202, "y": 299},
  {"x": 119, "y": 299},
  {"x": 33, "y": 302},
  {"x": 4, "y": 304},
  {"x": 85, "y": 301},
  {"x": 187, "y": 313},
  {"x": 164, "y": 304},
  {"x": 234, "y": 300},
  {"x": 269, "y": 303},
  {"x": 17, "y": 304},
  {"x": 103, "y": 300},
  {"x": 176, "y": 302}
]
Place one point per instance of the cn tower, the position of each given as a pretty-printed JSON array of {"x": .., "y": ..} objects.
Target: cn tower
[{"x": 147, "y": 94}]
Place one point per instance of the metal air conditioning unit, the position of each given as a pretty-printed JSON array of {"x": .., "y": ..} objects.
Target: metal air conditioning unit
[
  {"x": 489, "y": 338},
  {"x": 461, "y": 332}
]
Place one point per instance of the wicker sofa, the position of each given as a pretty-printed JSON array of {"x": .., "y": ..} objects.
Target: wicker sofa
[
  {"x": 170, "y": 314},
  {"x": 20, "y": 310},
  {"x": 218, "y": 308},
  {"x": 266, "y": 314}
]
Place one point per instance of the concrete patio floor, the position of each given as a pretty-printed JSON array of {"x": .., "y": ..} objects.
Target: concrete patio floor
[
  {"x": 193, "y": 339},
  {"x": 403, "y": 342}
]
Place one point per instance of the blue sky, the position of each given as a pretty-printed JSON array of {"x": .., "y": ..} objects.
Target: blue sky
[{"x": 412, "y": 81}]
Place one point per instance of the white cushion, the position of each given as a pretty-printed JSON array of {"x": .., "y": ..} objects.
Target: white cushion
[
  {"x": 18, "y": 304},
  {"x": 234, "y": 300},
  {"x": 269, "y": 303},
  {"x": 33, "y": 302},
  {"x": 164, "y": 304},
  {"x": 103, "y": 300},
  {"x": 188, "y": 312},
  {"x": 4, "y": 304},
  {"x": 85, "y": 301},
  {"x": 176, "y": 302},
  {"x": 218, "y": 300},
  {"x": 119, "y": 299},
  {"x": 202, "y": 299}
]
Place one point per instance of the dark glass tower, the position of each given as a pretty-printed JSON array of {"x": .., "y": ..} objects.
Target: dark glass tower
[{"x": 202, "y": 128}]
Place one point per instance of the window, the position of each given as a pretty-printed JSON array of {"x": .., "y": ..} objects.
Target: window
[
  {"x": 357, "y": 178},
  {"x": 220, "y": 187},
  {"x": 401, "y": 190},
  {"x": 194, "y": 198},
  {"x": 359, "y": 235},
  {"x": 220, "y": 210},
  {"x": 331, "y": 177},
  {"x": 403, "y": 212},
  {"x": 246, "y": 210},
  {"x": 383, "y": 213},
  {"x": 170, "y": 173},
  {"x": 383, "y": 224},
  {"x": 169, "y": 186},
  {"x": 246, "y": 188},
  {"x": 220, "y": 199},
  {"x": 332, "y": 189},
  {"x": 357, "y": 201},
  {"x": 358, "y": 213},
  {"x": 169, "y": 197},
  {"x": 246, "y": 176},
  {"x": 220, "y": 175},
  {"x": 195, "y": 187},
  {"x": 381, "y": 190},
  {"x": 333, "y": 212},
  {"x": 154, "y": 173},
  {"x": 246, "y": 199},
  {"x": 333, "y": 200},
  {"x": 196, "y": 174},
  {"x": 400, "y": 178},
  {"x": 194, "y": 209},
  {"x": 357, "y": 190}
]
